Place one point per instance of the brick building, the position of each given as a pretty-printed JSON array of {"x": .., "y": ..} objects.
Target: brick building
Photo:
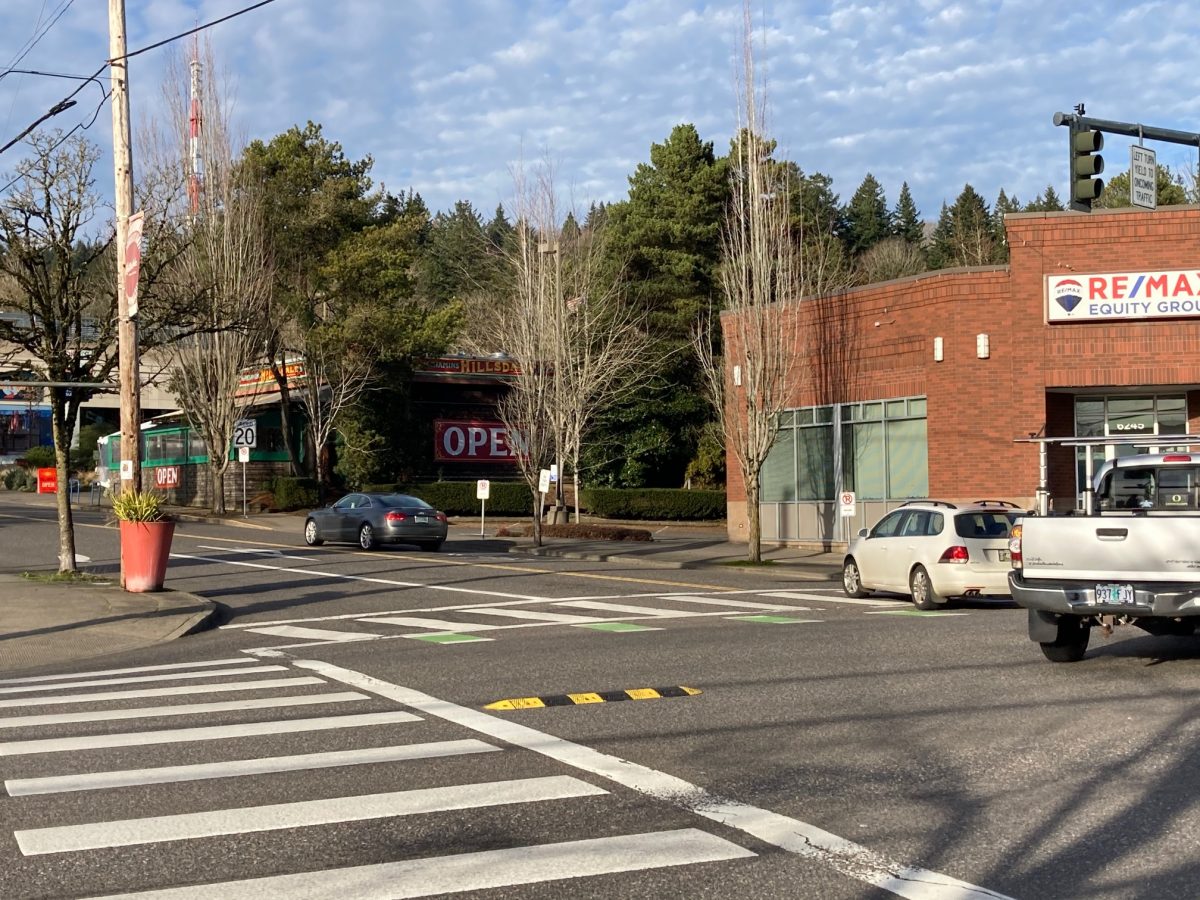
[{"x": 922, "y": 386}]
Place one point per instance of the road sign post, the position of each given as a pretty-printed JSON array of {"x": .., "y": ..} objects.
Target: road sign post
[
  {"x": 245, "y": 437},
  {"x": 543, "y": 486},
  {"x": 483, "y": 490},
  {"x": 243, "y": 458}
]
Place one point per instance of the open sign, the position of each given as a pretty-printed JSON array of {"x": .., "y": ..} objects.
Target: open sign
[{"x": 473, "y": 442}]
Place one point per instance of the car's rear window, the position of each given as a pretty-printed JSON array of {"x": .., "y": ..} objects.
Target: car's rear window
[
  {"x": 404, "y": 501},
  {"x": 984, "y": 524}
]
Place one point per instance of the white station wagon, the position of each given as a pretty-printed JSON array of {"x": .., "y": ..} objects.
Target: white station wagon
[{"x": 934, "y": 550}]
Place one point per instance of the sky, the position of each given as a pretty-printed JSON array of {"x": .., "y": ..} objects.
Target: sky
[{"x": 450, "y": 97}]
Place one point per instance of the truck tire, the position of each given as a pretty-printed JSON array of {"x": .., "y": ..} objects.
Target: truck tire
[
  {"x": 1071, "y": 643},
  {"x": 921, "y": 588}
]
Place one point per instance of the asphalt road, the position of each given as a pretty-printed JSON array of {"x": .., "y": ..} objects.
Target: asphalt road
[{"x": 832, "y": 744}]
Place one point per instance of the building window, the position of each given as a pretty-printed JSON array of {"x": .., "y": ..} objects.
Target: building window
[
  {"x": 1125, "y": 416},
  {"x": 882, "y": 446}
]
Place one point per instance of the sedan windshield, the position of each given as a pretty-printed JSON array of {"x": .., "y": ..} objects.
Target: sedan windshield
[
  {"x": 404, "y": 501},
  {"x": 984, "y": 524}
]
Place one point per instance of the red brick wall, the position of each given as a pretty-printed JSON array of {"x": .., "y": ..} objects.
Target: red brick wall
[{"x": 877, "y": 342}]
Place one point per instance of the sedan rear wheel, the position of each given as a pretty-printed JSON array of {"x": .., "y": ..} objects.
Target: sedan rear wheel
[
  {"x": 310, "y": 534},
  {"x": 366, "y": 537},
  {"x": 852, "y": 580},
  {"x": 921, "y": 588}
]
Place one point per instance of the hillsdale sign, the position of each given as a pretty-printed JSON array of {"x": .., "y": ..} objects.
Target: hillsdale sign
[{"x": 1125, "y": 295}]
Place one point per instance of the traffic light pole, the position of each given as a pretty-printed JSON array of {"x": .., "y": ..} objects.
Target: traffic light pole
[{"x": 1129, "y": 129}]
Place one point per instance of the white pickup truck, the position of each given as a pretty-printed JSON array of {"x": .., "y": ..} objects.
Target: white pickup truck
[{"x": 1135, "y": 560}]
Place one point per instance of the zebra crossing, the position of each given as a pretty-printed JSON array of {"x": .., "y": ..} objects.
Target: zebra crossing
[
  {"x": 465, "y": 623},
  {"x": 158, "y": 787}
]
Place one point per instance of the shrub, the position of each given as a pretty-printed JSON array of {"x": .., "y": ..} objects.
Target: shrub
[
  {"x": 294, "y": 493},
  {"x": 457, "y": 498},
  {"x": 654, "y": 503},
  {"x": 17, "y": 479},
  {"x": 40, "y": 458},
  {"x": 584, "y": 531}
]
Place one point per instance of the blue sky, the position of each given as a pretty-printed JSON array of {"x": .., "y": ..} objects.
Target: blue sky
[{"x": 449, "y": 95}]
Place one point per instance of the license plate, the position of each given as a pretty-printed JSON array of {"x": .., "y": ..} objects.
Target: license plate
[
  {"x": 1002, "y": 555},
  {"x": 1114, "y": 593},
  {"x": 423, "y": 520}
]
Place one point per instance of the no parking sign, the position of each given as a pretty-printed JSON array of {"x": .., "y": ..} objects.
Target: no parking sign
[{"x": 848, "y": 504}]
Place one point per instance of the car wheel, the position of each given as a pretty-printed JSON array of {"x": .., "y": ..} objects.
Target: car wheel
[
  {"x": 310, "y": 534},
  {"x": 1071, "y": 643},
  {"x": 921, "y": 588},
  {"x": 852, "y": 580},
  {"x": 366, "y": 537}
]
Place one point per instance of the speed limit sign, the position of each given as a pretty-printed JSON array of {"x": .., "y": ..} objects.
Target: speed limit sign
[{"x": 245, "y": 433}]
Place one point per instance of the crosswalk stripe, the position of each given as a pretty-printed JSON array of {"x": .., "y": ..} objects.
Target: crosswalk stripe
[
  {"x": 139, "y": 679},
  {"x": 178, "y": 709},
  {"x": 187, "y": 665},
  {"x": 433, "y": 624},
  {"x": 201, "y": 733},
  {"x": 315, "y": 634},
  {"x": 187, "y": 826},
  {"x": 95, "y": 781},
  {"x": 735, "y": 604},
  {"x": 622, "y": 608},
  {"x": 475, "y": 871},
  {"x": 824, "y": 598},
  {"x": 536, "y": 616},
  {"x": 142, "y": 693}
]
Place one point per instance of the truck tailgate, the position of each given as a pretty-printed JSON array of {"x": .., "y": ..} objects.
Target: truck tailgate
[{"x": 1118, "y": 548}]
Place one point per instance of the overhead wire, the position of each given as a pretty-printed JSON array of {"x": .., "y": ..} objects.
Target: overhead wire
[
  {"x": 33, "y": 41},
  {"x": 66, "y": 102}
]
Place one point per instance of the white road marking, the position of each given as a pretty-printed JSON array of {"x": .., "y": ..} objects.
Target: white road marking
[
  {"x": 80, "y": 558},
  {"x": 432, "y": 624},
  {"x": 733, "y": 604},
  {"x": 539, "y": 616},
  {"x": 202, "y": 733},
  {"x": 363, "y": 578},
  {"x": 187, "y": 826},
  {"x": 892, "y": 612},
  {"x": 96, "y": 781},
  {"x": 477, "y": 871},
  {"x": 866, "y": 601},
  {"x": 142, "y": 693},
  {"x": 652, "y": 612},
  {"x": 177, "y": 709},
  {"x": 136, "y": 679},
  {"x": 315, "y": 634},
  {"x": 188, "y": 665},
  {"x": 261, "y": 551},
  {"x": 792, "y": 835}
]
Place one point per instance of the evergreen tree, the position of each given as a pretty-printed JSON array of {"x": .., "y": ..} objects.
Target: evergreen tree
[
  {"x": 964, "y": 235},
  {"x": 454, "y": 262},
  {"x": 1004, "y": 205},
  {"x": 906, "y": 220},
  {"x": 1171, "y": 191},
  {"x": 866, "y": 217},
  {"x": 1046, "y": 201}
]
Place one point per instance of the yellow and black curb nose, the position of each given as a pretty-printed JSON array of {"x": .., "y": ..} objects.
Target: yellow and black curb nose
[{"x": 593, "y": 697}]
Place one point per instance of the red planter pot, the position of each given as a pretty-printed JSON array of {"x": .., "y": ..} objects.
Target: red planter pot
[{"x": 145, "y": 548}]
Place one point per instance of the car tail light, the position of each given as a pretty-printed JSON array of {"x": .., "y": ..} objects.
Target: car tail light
[
  {"x": 441, "y": 517},
  {"x": 955, "y": 554},
  {"x": 395, "y": 517},
  {"x": 1014, "y": 546}
]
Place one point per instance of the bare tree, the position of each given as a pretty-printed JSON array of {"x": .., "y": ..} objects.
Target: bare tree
[
  {"x": 51, "y": 279},
  {"x": 760, "y": 274},
  {"x": 224, "y": 267}
]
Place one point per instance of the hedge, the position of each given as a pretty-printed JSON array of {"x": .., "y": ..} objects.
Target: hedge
[
  {"x": 457, "y": 498},
  {"x": 294, "y": 493},
  {"x": 654, "y": 503}
]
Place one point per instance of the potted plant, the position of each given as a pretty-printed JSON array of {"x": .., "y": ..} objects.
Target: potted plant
[{"x": 146, "y": 532}]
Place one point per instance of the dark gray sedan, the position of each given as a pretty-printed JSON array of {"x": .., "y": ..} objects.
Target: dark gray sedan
[{"x": 373, "y": 519}]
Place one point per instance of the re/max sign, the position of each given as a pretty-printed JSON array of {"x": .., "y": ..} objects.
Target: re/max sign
[{"x": 1123, "y": 295}]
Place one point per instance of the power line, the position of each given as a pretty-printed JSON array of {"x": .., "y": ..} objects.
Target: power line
[
  {"x": 183, "y": 34},
  {"x": 33, "y": 42}
]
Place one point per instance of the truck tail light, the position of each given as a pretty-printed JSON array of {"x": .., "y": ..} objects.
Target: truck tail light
[
  {"x": 1014, "y": 547},
  {"x": 395, "y": 517},
  {"x": 1177, "y": 457},
  {"x": 955, "y": 554}
]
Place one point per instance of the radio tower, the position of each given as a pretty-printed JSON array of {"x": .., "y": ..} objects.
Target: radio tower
[{"x": 196, "y": 126}]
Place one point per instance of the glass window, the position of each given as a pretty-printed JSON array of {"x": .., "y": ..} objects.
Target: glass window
[
  {"x": 814, "y": 463},
  {"x": 824, "y": 414},
  {"x": 1089, "y": 417},
  {"x": 777, "y": 479},
  {"x": 1172, "y": 415},
  {"x": 1131, "y": 415},
  {"x": 936, "y": 523},
  {"x": 172, "y": 447},
  {"x": 895, "y": 409},
  {"x": 916, "y": 407},
  {"x": 346, "y": 502},
  {"x": 786, "y": 419},
  {"x": 917, "y": 523},
  {"x": 889, "y": 525},
  {"x": 863, "y": 460},
  {"x": 908, "y": 459},
  {"x": 872, "y": 410},
  {"x": 984, "y": 524}
]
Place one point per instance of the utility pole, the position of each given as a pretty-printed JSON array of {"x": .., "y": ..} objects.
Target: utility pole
[{"x": 127, "y": 340}]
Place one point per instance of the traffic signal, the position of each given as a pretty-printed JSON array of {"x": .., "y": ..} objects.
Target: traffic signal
[{"x": 1086, "y": 163}]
